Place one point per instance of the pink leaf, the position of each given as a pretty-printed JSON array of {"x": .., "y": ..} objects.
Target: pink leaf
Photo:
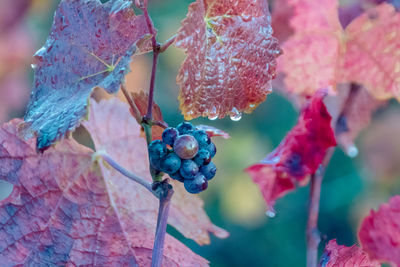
[
  {"x": 230, "y": 58},
  {"x": 298, "y": 155},
  {"x": 114, "y": 130},
  {"x": 380, "y": 232},
  {"x": 341, "y": 256},
  {"x": 66, "y": 210}
]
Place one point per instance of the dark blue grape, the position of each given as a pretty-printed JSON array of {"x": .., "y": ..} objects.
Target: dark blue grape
[
  {"x": 169, "y": 135},
  {"x": 186, "y": 146},
  {"x": 177, "y": 176},
  {"x": 202, "y": 138},
  {"x": 171, "y": 163},
  {"x": 189, "y": 169},
  {"x": 185, "y": 128},
  {"x": 203, "y": 157},
  {"x": 212, "y": 149},
  {"x": 155, "y": 163},
  {"x": 198, "y": 184},
  {"x": 208, "y": 170},
  {"x": 157, "y": 149}
]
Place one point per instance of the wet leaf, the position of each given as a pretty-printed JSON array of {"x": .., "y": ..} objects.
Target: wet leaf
[
  {"x": 80, "y": 53},
  {"x": 231, "y": 58},
  {"x": 380, "y": 232},
  {"x": 114, "y": 130},
  {"x": 298, "y": 155},
  {"x": 67, "y": 210},
  {"x": 341, "y": 256}
]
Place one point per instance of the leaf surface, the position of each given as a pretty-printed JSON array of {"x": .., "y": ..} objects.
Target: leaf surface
[
  {"x": 90, "y": 45},
  {"x": 114, "y": 130},
  {"x": 65, "y": 210},
  {"x": 341, "y": 256},
  {"x": 231, "y": 58},
  {"x": 380, "y": 232},
  {"x": 298, "y": 155},
  {"x": 321, "y": 53}
]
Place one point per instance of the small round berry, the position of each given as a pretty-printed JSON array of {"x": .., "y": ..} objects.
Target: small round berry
[
  {"x": 189, "y": 169},
  {"x": 209, "y": 170},
  {"x": 185, "y": 128},
  {"x": 169, "y": 135},
  {"x": 186, "y": 146},
  {"x": 203, "y": 157},
  {"x": 212, "y": 149},
  {"x": 155, "y": 163},
  {"x": 198, "y": 184},
  {"x": 171, "y": 163},
  {"x": 157, "y": 149},
  {"x": 177, "y": 176},
  {"x": 202, "y": 138}
]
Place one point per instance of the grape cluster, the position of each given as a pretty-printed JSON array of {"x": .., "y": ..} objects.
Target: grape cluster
[{"x": 185, "y": 153}]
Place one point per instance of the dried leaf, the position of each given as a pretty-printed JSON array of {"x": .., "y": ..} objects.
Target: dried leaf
[
  {"x": 231, "y": 58},
  {"x": 65, "y": 210},
  {"x": 80, "y": 53},
  {"x": 298, "y": 155}
]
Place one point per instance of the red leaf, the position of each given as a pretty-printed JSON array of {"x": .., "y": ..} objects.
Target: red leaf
[
  {"x": 298, "y": 155},
  {"x": 380, "y": 232},
  {"x": 230, "y": 58},
  {"x": 281, "y": 13},
  {"x": 320, "y": 53},
  {"x": 65, "y": 210},
  {"x": 341, "y": 256},
  {"x": 90, "y": 45},
  {"x": 114, "y": 130}
]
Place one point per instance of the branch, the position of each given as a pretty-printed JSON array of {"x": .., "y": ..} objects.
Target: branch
[
  {"x": 134, "y": 108},
  {"x": 312, "y": 233},
  {"x": 167, "y": 43},
  {"x": 124, "y": 171},
  {"x": 165, "y": 191}
]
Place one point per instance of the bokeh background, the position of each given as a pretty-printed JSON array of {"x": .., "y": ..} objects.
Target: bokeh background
[{"x": 351, "y": 186}]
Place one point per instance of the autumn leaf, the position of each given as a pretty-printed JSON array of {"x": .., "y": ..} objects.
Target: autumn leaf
[
  {"x": 321, "y": 53},
  {"x": 231, "y": 58},
  {"x": 341, "y": 256},
  {"x": 114, "y": 130},
  {"x": 66, "y": 210},
  {"x": 298, "y": 155},
  {"x": 380, "y": 232},
  {"x": 80, "y": 53}
]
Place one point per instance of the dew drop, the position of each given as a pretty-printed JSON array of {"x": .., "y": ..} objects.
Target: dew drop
[
  {"x": 213, "y": 114},
  {"x": 252, "y": 105},
  {"x": 33, "y": 66},
  {"x": 246, "y": 17},
  {"x": 352, "y": 151},
  {"x": 235, "y": 115},
  {"x": 270, "y": 213}
]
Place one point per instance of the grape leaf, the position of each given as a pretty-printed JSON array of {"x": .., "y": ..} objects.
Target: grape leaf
[
  {"x": 321, "y": 53},
  {"x": 380, "y": 232},
  {"x": 298, "y": 155},
  {"x": 338, "y": 255},
  {"x": 114, "y": 130},
  {"x": 281, "y": 13},
  {"x": 90, "y": 45},
  {"x": 65, "y": 210},
  {"x": 231, "y": 58},
  {"x": 11, "y": 13}
]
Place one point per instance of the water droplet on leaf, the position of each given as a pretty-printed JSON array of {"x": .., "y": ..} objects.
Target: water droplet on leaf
[
  {"x": 270, "y": 213},
  {"x": 352, "y": 151},
  {"x": 235, "y": 115}
]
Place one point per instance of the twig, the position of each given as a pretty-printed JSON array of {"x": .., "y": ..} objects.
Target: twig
[
  {"x": 125, "y": 172},
  {"x": 132, "y": 104},
  {"x": 163, "y": 210},
  {"x": 167, "y": 43},
  {"x": 312, "y": 233}
]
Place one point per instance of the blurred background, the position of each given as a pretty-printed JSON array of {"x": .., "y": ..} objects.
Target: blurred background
[{"x": 351, "y": 186}]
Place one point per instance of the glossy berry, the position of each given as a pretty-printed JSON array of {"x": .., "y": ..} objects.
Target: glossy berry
[
  {"x": 198, "y": 184},
  {"x": 157, "y": 149},
  {"x": 155, "y": 163},
  {"x": 203, "y": 157},
  {"x": 186, "y": 146},
  {"x": 208, "y": 170},
  {"x": 169, "y": 135},
  {"x": 171, "y": 163},
  {"x": 177, "y": 176},
  {"x": 189, "y": 169},
  {"x": 202, "y": 138},
  {"x": 212, "y": 149},
  {"x": 185, "y": 128}
]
